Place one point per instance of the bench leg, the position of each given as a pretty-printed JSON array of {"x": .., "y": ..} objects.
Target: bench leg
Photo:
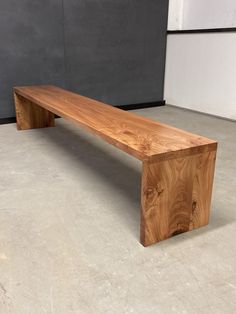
[
  {"x": 176, "y": 196},
  {"x": 30, "y": 115}
]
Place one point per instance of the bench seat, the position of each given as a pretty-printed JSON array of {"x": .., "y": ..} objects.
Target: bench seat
[{"x": 178, "y": 166}]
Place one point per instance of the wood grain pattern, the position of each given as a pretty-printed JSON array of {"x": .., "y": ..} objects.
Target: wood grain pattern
[
  {"x": 30, "y": 115},
  {"x": 176, "y": 196},
  {"x": 140, "y": 137},
  {"x": 178, "y": 166}
]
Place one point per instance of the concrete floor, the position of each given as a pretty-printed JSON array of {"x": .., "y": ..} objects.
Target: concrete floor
[{"x": 69, "y": 227}]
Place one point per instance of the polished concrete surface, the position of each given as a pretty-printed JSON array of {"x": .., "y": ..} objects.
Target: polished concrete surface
[{"x": 69, "y": 227}]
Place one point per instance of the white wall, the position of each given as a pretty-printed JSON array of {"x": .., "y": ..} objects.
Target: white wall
[
  {"x": 201, "y": 68},
  {"x": 197, "y": 14},
  {"x": 175, "y": 16},
  {"x": 208, "y": 14},
  {"x": 201, "y": 72}
]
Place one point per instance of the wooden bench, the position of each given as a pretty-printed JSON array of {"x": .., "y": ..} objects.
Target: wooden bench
[{"x": 177, "y": 166}]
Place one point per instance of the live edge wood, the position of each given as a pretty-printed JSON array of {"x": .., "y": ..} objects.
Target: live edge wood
[{"x": 178, "y": 166}]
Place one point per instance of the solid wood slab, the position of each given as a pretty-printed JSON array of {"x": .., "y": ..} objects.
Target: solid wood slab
[
  {"x": 140, "y": 137},
  {"x": 176, "y": 196},
  {"x": 178, "y": 166},
  {"x": 31, "y": 116}
]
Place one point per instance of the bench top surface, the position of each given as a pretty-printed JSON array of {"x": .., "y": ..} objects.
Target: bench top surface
[{"x": 141, "y": 137}]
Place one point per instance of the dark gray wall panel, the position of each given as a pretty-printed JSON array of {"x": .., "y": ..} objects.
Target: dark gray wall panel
[
  {"x": 32, "y": 48},
  {"x": 115, "y": 49}
]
